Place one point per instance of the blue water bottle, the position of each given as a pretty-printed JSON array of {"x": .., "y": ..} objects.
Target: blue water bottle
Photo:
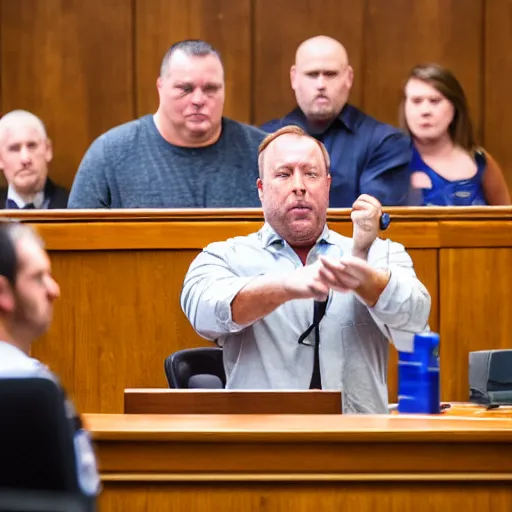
[{"x": 418, "y": 376}]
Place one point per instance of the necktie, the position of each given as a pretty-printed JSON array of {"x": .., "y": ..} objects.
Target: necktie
[
  {"x": 11, "y": 205},
  {"x": 318, "y": 314}
]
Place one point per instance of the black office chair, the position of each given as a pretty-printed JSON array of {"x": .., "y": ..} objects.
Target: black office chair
[
  {"x": 196, "y": 368},
  {"x": 38, "y": 470}
]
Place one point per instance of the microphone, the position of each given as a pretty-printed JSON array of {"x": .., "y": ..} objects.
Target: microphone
[{"x": 205, "y": 381}]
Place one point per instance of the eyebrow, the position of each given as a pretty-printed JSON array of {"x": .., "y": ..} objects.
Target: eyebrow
[{"x": 192, "y": 84}]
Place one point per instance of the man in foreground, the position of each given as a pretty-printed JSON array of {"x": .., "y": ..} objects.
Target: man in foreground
[
  {"x": 27, "y": 293},
  {"x": 298, "y": 306}
]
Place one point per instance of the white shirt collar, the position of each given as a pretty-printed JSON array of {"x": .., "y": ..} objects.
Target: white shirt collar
[
  {"x": 15, "y": 363},
  {"x": 37, "y": 200}
]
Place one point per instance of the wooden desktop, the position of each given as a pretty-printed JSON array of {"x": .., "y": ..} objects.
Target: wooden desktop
[{"x": 303, "y": 462}]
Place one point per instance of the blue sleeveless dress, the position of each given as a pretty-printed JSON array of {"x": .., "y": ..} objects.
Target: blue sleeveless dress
[{"x": 451, "y": 193}]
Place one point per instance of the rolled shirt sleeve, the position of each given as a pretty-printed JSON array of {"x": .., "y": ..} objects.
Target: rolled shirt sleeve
[
  {"x": 208, "y": 291},
  {"x": 403, "y": 308}
]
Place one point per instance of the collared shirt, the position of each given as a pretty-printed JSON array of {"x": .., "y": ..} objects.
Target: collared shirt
[
  {"x": 354, "y": 338},
  {"x": 367, "y": 156},
  {"x": 38, "y": 200},
  {"x": 15, "y": 363}
]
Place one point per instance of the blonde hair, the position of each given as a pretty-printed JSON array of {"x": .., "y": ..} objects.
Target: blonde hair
[{"x": 289, "y": 130}]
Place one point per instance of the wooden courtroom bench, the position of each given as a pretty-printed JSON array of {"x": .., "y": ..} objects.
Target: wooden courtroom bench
[
  {"x": 303, "y": 462},
  {"x": 121, "y": 273}
]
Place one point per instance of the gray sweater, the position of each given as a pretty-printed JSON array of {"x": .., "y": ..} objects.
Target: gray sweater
[{"x": 133, "y": 166}]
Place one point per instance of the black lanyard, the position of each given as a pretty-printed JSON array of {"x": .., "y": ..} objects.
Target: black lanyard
[{"x": 318, "y": 314}]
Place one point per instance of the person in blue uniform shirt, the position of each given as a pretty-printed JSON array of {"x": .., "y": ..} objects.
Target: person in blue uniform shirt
[
  {"x": 448, "y": 168},
  {"x": 27, "y": 294},
  {"x": 25, "y": 153},
  {"x": 367, "y": 156}
]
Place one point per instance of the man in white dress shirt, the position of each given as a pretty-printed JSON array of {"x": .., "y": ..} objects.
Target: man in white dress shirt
[{"x": 268, "y": 298}]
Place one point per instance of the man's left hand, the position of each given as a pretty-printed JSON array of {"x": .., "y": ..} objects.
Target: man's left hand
[{"x": 365, "y": 215}]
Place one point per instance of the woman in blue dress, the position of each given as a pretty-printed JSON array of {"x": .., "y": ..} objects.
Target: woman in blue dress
[{"x": 447, "y": 167}]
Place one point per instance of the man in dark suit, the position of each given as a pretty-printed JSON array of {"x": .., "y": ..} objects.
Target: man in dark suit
[
  {"x": 367, "y": 156},
  {"x": 25, "y": 152}
]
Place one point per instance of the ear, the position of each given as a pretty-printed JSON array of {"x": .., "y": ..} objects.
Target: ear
[
  {"x": 350, "y": 77},
  {"x": 159, "y": 83},
  {"x": 259, "y": 184},
  {"x": 7, "y": 301},
  {"x": 48, "y": 151},
  {"x": 293, "y": 76},
  {"x": 329, "y": 179}
]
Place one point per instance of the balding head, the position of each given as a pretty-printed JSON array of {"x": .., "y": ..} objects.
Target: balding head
[
  {"x": 321, "y": 78},
  {"x": 320, "y": 47}
]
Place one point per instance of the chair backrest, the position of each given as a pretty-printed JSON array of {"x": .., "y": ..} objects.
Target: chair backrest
[
  {"x": 42, "y": 501},
  {"x": 196, "y": 368},
  {"x": 37, "y": 448}
]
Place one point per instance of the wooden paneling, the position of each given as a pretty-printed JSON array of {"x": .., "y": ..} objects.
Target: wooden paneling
[
  {"x": 119, "y": 319},
  {"x": 426, "y": 267},
  {"x": 306, "y": 497},
  {"x": 402, "y": 33},
  {"x": 476, "y": 234},
  {"x": 223, "y": 23},
  {"x": 476, "y": 299},
  {"x": 214, "y": 401},
  {"x": 498, "y": 79},
  {"x": 70, "y": 63},
  {"x": 279, "y": 27}
]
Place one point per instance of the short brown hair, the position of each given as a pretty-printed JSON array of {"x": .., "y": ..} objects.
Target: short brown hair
[
  {"x": 290, "y": 130},
  {"x": 445, "y": 82}
]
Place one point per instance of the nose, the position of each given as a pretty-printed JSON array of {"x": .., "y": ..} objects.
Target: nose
[
  {"x": 320, "y": 81},
  {"x": 299, "y": 187},
  {"x": 425, "y": 109},
  {"x": 53, "y": 288},
  {"x": 25, "y": 154},
  {"x": 198, "y": 96}
]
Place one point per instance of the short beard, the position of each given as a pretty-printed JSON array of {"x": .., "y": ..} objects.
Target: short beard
[
  {"x": 298, "y": 238},
  {"x": 321, "y": 117}
]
